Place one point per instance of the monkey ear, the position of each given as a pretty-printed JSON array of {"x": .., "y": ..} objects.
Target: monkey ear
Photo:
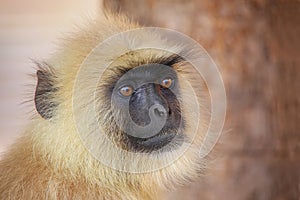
[{"x": 45, "y": 90}]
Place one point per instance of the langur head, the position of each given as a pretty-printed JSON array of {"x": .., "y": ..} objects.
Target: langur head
[{"x": 135, "y": 101}]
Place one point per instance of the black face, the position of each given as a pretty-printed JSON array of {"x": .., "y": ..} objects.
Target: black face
[{"x": 146, "y": 107}]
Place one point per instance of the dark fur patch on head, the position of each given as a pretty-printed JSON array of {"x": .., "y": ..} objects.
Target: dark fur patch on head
[
  {"x": 168, "y": 61},
  {"x": 44, "y": 101}
]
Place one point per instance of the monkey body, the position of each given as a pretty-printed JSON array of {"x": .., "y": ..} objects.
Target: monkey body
[
  {"x": 50, "y": 161},
  {"x": 27, "y": 173}
]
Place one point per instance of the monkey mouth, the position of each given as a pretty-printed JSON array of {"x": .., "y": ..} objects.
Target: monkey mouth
[
  {"x": 157, "y": 141},
  {"x": 166, "y": 138},
  {"x": 160, "y": 140}
]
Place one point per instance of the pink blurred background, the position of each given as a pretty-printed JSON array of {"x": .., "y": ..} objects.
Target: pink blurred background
[{"x": 29, "y": 30}]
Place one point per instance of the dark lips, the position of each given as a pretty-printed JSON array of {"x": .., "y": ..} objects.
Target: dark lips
[{"x": 156, "y": 142}]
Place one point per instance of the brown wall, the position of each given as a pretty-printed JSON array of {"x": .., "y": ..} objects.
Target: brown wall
[{"x": 256, "y": 45}]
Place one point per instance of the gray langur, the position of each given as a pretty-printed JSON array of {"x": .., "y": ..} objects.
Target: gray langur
[{"x": 130, "y": 158}]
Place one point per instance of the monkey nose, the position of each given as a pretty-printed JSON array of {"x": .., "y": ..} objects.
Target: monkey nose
[{"x": 159, "y": 111}]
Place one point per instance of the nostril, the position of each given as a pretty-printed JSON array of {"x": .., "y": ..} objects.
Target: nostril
[{"x": 160, "y": 111}]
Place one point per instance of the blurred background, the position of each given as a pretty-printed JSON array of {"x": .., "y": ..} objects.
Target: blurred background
[
  {"x": 30, "y": 30},
  {"x": 255, "y": 43}
]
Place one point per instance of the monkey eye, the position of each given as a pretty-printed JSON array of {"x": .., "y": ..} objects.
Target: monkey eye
[
  {"x": 126, "y": 91},
  {"x": 166, "y": 83}
]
